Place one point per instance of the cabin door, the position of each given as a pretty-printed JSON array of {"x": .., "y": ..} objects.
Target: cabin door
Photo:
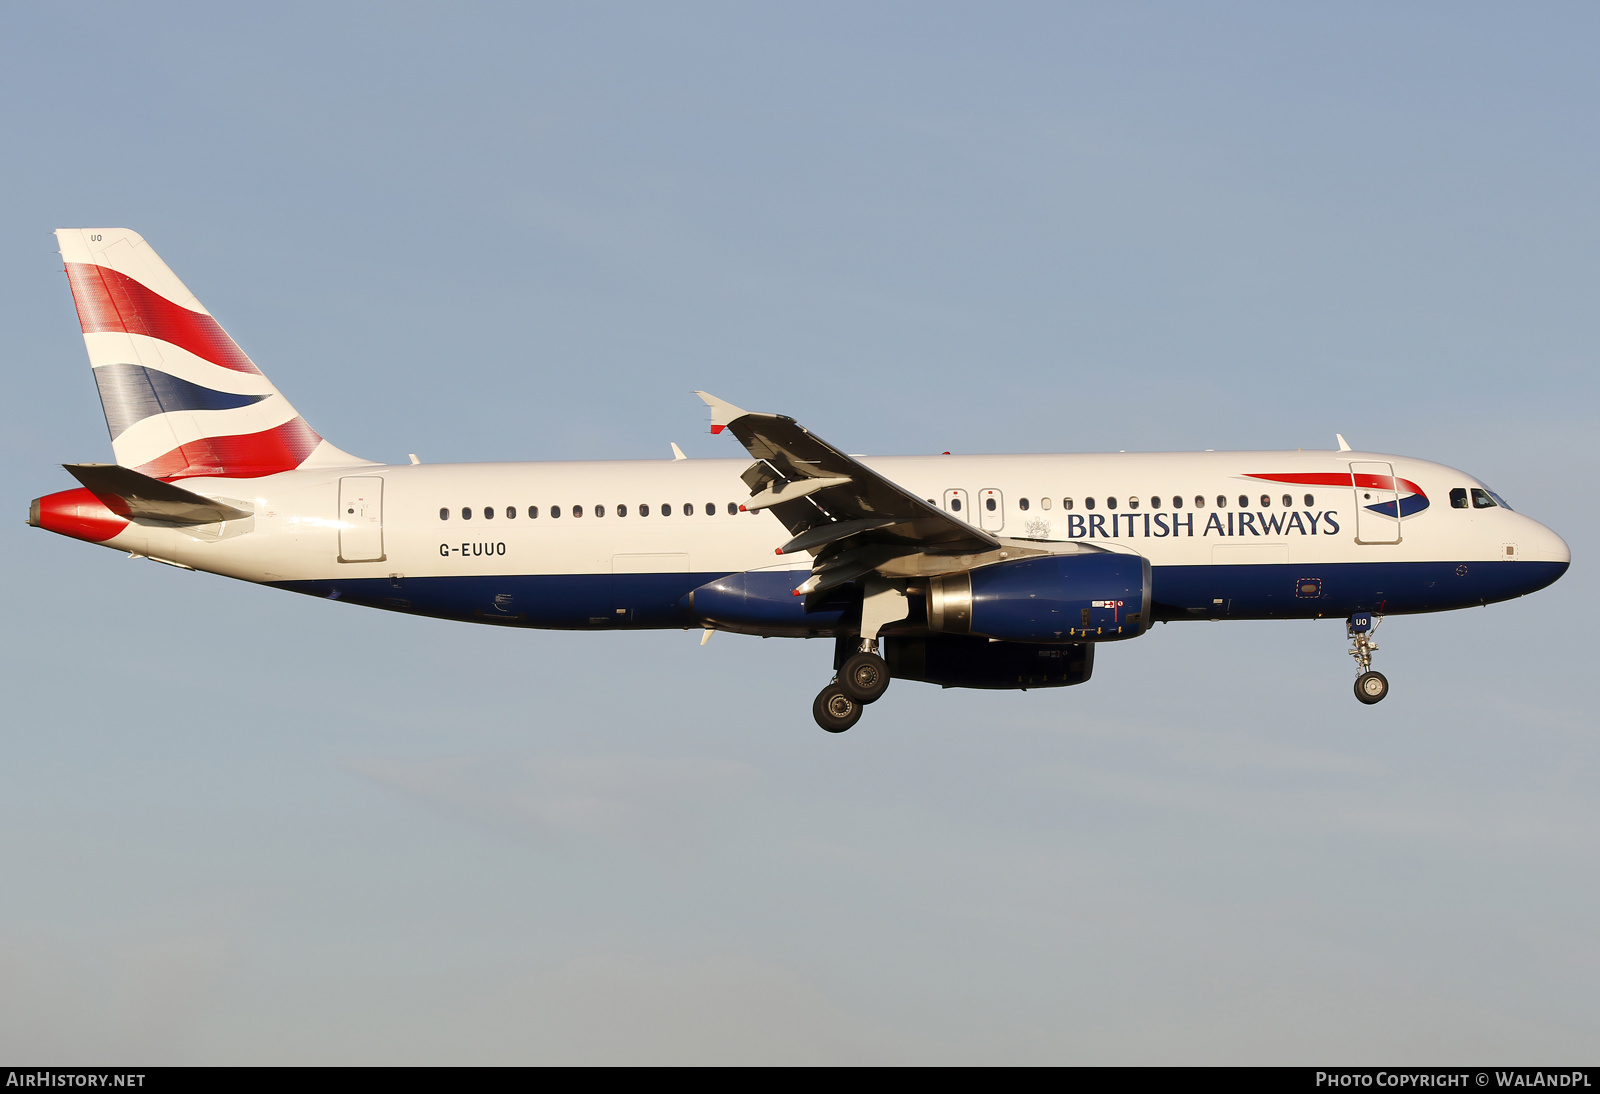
[
  {"x": 361, "y": 519},
  {"x": 1377, "y": 503}
]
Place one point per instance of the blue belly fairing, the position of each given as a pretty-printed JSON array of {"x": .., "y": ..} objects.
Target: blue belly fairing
[{"x": 658, "y": 601}]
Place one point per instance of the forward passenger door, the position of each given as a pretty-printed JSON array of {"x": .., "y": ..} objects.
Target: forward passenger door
[{"x": 1377, "y": 502}]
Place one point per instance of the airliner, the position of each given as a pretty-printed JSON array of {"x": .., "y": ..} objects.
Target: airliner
[{"x": 1001, "y": 572}]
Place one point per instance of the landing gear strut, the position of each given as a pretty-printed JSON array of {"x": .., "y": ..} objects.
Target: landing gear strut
[
  {"x": 862, "y": 675},
  {"x": 1371, "y": 687}
]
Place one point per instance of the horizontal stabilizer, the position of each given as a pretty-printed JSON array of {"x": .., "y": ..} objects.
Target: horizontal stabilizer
[{"x": 129, "y": 494}]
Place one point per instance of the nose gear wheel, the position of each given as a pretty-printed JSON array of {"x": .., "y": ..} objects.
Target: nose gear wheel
[{"x": 1371, "y": 687}]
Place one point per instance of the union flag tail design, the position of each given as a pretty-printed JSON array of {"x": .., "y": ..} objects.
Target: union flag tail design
[{"x": 181, "y": 399}]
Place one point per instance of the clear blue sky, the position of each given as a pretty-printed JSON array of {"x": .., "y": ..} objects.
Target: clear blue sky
[{"x": 237, "y": 825}]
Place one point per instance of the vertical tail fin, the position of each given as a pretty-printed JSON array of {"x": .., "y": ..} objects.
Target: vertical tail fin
[{"x": 181, "y": 399}]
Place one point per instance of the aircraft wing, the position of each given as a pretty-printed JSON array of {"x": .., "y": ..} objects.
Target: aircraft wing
[{"x": 848, "y": 515}]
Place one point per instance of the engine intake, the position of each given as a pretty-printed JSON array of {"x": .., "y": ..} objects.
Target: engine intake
[{"x": 1098, "y": 597}]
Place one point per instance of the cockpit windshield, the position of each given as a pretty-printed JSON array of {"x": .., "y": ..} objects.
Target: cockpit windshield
[{"x": 1487, "y": 499}]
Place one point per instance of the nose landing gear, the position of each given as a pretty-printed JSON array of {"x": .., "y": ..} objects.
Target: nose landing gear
[{"x": 1371, "y": 687}]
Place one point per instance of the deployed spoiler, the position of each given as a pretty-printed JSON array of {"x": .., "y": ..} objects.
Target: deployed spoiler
[{"x": 129, "y": 494}]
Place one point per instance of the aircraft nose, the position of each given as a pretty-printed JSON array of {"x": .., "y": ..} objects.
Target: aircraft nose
[{"x": 1548, "y": 547}]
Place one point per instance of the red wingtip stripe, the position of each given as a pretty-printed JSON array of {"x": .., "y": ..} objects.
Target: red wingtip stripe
[
  {"x": 718, "y": 428},
  {"x": 111, "y": 301},
  {"x": 243, "y": 456}
]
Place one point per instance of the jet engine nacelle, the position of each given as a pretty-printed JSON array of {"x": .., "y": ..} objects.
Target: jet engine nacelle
[
  {"x": 1097, "y": 597},
  {"x": 960, "y": 661}
]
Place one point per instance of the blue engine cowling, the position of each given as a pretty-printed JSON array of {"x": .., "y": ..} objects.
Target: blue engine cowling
[{"x": 1099, "y": 597}]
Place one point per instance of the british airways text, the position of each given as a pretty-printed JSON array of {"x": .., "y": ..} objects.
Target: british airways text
[{"x": 1161, "y": 525}]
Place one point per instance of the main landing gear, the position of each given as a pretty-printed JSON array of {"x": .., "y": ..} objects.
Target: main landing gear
[
  {"x": 1371, "y": 687},
  {"x": 863, "y": 677}
]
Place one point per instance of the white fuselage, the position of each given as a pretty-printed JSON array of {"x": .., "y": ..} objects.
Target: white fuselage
[{"x": 1180, "y": 510}]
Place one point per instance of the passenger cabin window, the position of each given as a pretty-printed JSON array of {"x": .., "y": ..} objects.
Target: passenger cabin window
[
  {"x": 1022, "y": 503},
  {"x": 666, "y": 510},
  {"x": 1133, "y": 503},
  {"x": 1481, "y": 499},
  {"x": 599, "y": 510},
  {"x": 988, "y": 503},
  {"x": 511, "y": 512},
  {"x": 1199, "y": 502},
  {"x": 1222, "y": 501},
  {"x": 955, "y": 505},
  {"x": 1066, "y": 503},
  {"x": 1155, "y": 503},
  {"x": 1177, "y": 501},
  {"x": 466, "y": 514},
  {"x": 555, "y": 512},
  {"x": 1044, "y": 503},
  {"x": 1458, "y": 498},
  {"x": 1310, "y": 501},
  {"x": 1288, "y": 501},
  {"x": 1244, "y": 501},
  {"x": 1088, "y": 503},
  {"x": 711, "y": 508},
  {"x": 488, "y": 512},
  {"x": 622, "y": 510},
  {"x": 733, "y": 507},
  {"x": 1266, "y": 501},
  {"x": 644, "y": 510},
  {"x": 1111, "y": 503},
  {"x": 444, "y": 514},
  {"x": 533, "y": 512},
  {"x": 688, "y": 508},
  {"x": 577, "y": 510}
]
